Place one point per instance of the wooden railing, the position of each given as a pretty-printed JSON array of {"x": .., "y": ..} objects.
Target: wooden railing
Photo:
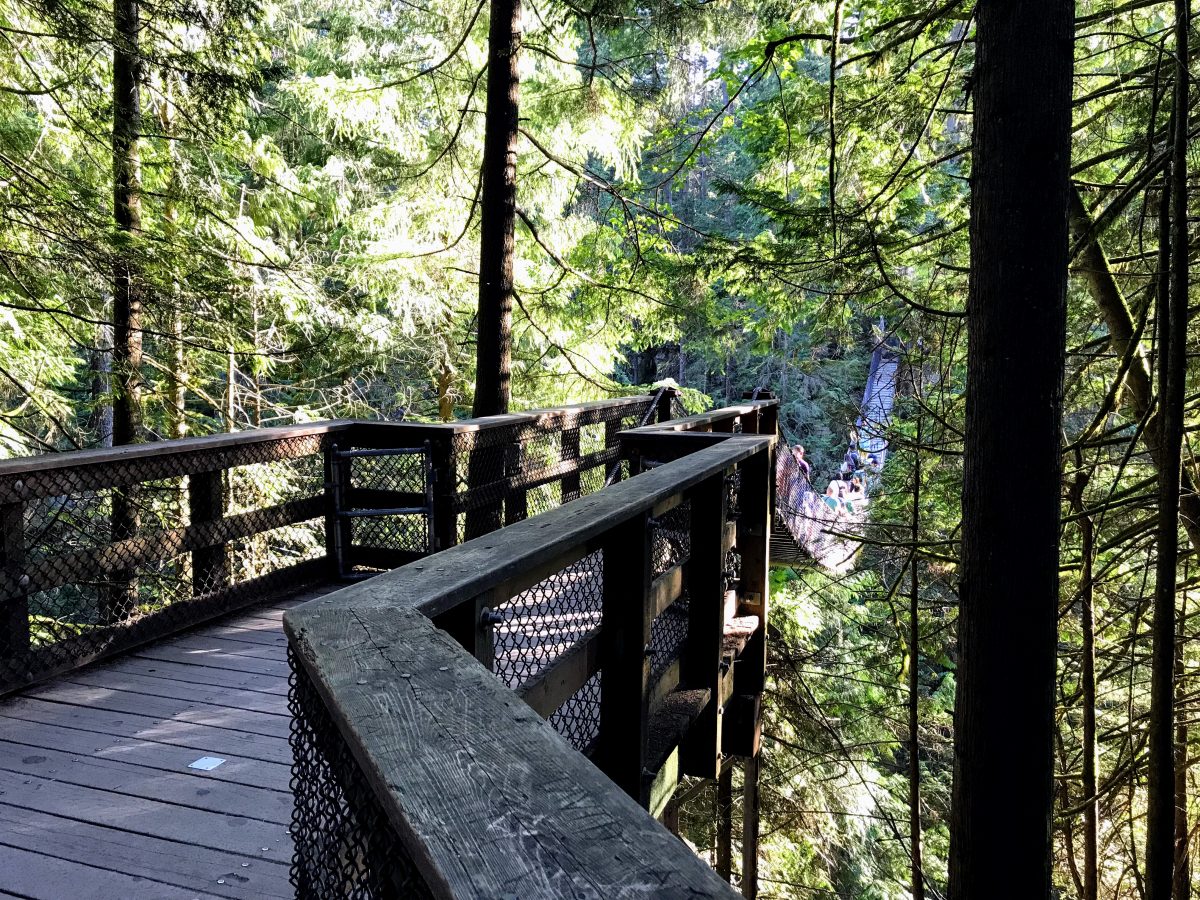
[
  {"x": 446, "y": 711},
  {"x": 103, "y": 550}
]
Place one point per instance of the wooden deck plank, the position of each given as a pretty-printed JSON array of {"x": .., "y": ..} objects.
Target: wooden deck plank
[
  {"x": 148, "y": 754},
  {"x": 179, "y": 788},
  {"x": 202, "y": 646},
  {"x": 277, "y": 724},
  {"x": 213, "y": 659},
  {"x": 194, "y": 869},
  {"x": 203, "y": 738},
  {"x": 246, "y": 632},
  {"x": 221, "y": 678},
  {"x": 217, "y": 831},
  {"x": 96, "y": 797},
  {"x": 41, "y": 877},
  {"x": 154, "y": 686}
]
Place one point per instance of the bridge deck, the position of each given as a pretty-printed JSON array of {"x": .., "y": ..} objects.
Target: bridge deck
[{"x": 97, "y": 797}]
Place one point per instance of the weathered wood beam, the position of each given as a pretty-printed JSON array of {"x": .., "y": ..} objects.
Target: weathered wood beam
[{"x": 399, "y": 691}]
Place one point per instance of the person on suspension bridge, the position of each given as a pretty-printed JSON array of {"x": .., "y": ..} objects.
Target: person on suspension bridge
[{"x": 802, "y": 463}]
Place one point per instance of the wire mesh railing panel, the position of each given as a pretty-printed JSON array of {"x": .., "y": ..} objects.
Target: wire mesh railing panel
[
  {"x": 400, "y": 472},
  {"x": 507, "y": 473},
  {"x": 408, "y": 534},
  {"x": 388, "y": 503},
  {"x": 544, "y": 622},
  {"x": 668, "y": 634},
  {"x": 259, "y": 484},
  {"x": 578, "y": 719},
  {"x": 671, "y": 538},
  {"x": 344, "y": 845},
  {"x": 94, "y": 571}
]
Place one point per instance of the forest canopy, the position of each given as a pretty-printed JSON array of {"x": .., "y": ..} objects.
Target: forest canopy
[{"x": 218, "y": 215}]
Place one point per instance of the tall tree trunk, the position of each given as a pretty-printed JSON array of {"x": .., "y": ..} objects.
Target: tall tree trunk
[
  {"x": 176, "y": 375},
  {"x": 914, "y": 681},
  {"x": 120, "y": 596},
  {"x": 229, "y": 413},
  {"x": 1087, "y": 678},
  {"x": 1124, "y": 339},
  {"x": 498, "y": 210},
  {"x": 127, "y": 211},
  {"x": 1182, "y": 888},
  {"x": 1016, "y": 318},
  {"x": 1172, "y": 368},
  {"x": 833, "y": 64}
]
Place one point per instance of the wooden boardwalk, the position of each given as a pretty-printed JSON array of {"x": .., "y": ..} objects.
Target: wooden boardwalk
[{"x": 97, "y": 797}]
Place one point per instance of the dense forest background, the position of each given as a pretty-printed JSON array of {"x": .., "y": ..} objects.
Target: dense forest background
[{"x": 225, "y": 214}]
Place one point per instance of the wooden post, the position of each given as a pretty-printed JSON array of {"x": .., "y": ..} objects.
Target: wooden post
[
  {"x": 206, "y": 503},
  {"x": 724, "y": 865},
  {"x": 768, "y": 419},
  {"x": 750, "y": 421},
  {"x": 445, "y": 480},
  {"x": 754, "y": 545},
  {"x": 471, "y": 623},
  {"x": 700, "y": 754},
  {"x": 14, "y": 607},
  {"x": 570, "y": 453},
  {"x": 516, "y": 504},
  {"x": 670, "y": 815},
  {"x": 664, "y": 404},
  {"x": 485, "y": 517},
  {"x": 612, "y": 428},
  {"x": 625, "y": 667},
  {"x": 750, "y": 828},
  {"x": 337, "y": 528},
  {"x": 119, "y": 596}
]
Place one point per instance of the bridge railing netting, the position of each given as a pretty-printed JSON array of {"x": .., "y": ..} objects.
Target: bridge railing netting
[
  {"x": 102, "y": 550},
  {"x": 418, "y": 773}
]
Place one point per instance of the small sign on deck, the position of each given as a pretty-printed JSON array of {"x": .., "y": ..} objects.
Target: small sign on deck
[{"x": 206, "y": 763}]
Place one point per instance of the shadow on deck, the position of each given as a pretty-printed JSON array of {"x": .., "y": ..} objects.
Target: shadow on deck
[{"x": 100, "y": 792}]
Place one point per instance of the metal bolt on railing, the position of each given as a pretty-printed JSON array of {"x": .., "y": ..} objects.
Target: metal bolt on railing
[{"x": 491, "y": 617}]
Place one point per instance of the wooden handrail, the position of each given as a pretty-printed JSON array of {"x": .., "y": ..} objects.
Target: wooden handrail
[
  {"x": 485, "y": 798},
  {"x": 29, "y": 469},
  {"x": 401, "y": 691}
]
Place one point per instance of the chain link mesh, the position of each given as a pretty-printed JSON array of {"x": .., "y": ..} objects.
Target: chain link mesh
[
  {"x": 345, "y": 846},
  {"x": 544, "y": 622},
  {"x": 578, "y": 719},
  {"x": 91, "y": 569},
  {"x": 507, "y": 473},
  {"x": 387, "y": 482},
  {"x": 671, "y": 538}
]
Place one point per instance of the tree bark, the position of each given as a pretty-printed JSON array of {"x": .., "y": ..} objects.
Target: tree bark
[
  {"x": 498, "y": 210},
  {"x": 1172, "y": 368},
  {"x": 120, "y": 596},
  {"x": 1087, "y": 678},
  {"x": 1097, "y": 274},
  {"x": 724, "y": 863},
  {"x": 1016, "y": 318},
  {"x": 914, "y": 675},
  {"x": 127, "y": 211},
  {"x": 176, "y": 377},
  {"x": 102, "y": 412},
  {"x": 1182, "y": 887}
]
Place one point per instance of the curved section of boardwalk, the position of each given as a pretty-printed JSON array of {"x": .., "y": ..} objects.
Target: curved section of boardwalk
[{"x": 97, "y": 796}]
